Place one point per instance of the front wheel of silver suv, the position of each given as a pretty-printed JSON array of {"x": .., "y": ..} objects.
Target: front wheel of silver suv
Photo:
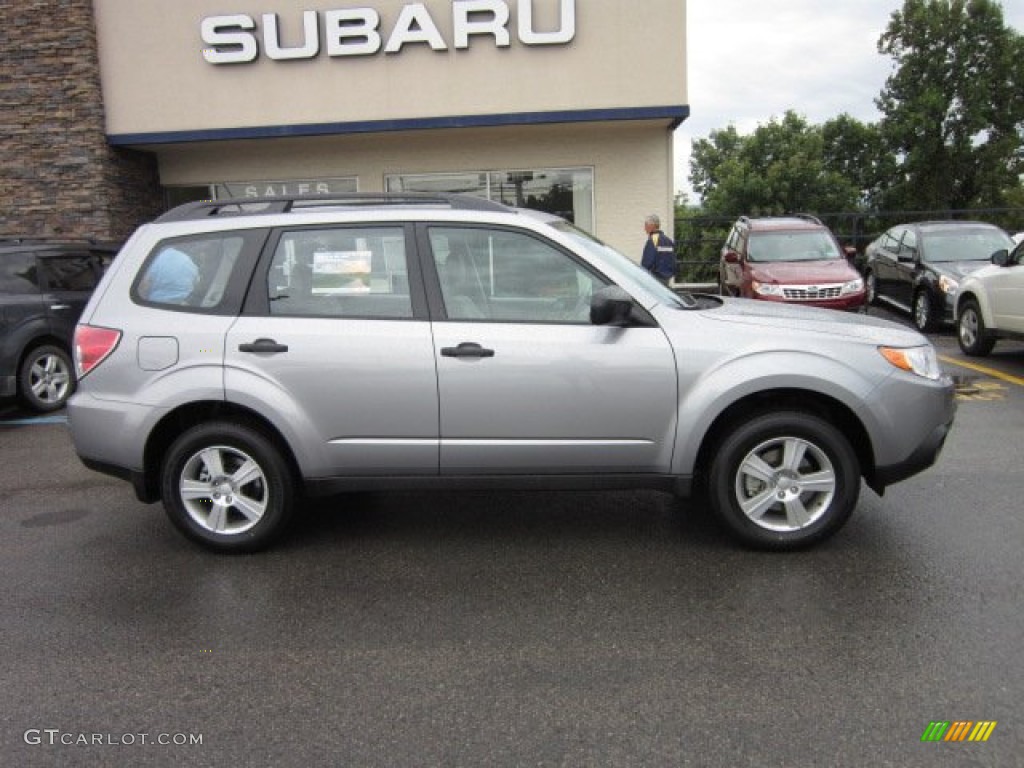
[
  {"x": 227, "y": 487},
  {"x": 785, "y": 480}
]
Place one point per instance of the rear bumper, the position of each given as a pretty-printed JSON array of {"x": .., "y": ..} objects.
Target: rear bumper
[
  {"x": 106, "y": 437},
  {"x": 138, "y": 480}
]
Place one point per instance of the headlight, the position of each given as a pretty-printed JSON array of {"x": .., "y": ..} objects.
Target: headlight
[
  {"x": 948, "y": 284},
  {"x": 854, "y": 286},
  {"x": 920, "y": 360},
  {"x": 766, "y": 289}
]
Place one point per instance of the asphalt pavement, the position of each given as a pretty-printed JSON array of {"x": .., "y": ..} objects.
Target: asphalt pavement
[{"x": 514, "y": 629}]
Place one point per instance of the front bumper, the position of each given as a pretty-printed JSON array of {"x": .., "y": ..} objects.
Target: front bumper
[
  {"x": 915, "y": 418},
  {"x": 853, "y": 302},
  {"x": 923, "y": 457},
  {"x": 948, "y": 316}
]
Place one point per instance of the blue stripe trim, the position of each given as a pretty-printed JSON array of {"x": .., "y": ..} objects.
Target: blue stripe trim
[
  {"x": 677, "y": 114},
  {"x": 60, "y": 418}
]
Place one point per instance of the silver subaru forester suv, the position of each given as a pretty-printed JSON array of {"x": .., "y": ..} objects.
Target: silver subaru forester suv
[{"x": 240, "y": 355}]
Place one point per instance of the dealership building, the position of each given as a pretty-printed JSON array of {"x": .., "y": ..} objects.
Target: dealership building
[{"x": 120, "y": 109}]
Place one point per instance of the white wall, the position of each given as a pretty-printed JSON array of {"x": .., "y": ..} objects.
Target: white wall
[{"x": 155, "y": 78}]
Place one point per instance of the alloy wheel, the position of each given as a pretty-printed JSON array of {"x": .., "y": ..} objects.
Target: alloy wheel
[
  {"x": 785, "y": 484},
  {"x": 223, "y": 490}
]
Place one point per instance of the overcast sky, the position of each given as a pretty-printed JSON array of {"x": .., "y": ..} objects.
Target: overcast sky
[{"x": 750, "y": 60}]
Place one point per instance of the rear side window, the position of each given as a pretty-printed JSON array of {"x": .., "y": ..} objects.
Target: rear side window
[
  {"x": 205, "y": 273},
  {"x": 341, "y": 272},
  {"x": 18, "y": 274},
  {"x": 71, "y": 272}
]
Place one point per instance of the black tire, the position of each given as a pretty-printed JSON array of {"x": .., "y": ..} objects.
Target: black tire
[
  {"x": 751, "y": 469},
  {"x": 241, "y": 494},
  {"x": 971, "y": 333},
  {"x": 923, "y": 312},
  {"x": 46, "y": 379},
  {"x": 871, "y": 286}
]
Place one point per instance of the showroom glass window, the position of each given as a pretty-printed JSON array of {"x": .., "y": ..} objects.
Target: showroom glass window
[{"x": 565, "y": 192}]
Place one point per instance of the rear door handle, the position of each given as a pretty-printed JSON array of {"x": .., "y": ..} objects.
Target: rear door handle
[
  {"x": 60, "y": 306},
  {"x": 467, "y": 349},
  {"x": 263, "y": 345}
]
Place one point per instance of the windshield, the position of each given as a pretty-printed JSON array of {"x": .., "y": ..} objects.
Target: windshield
[
  {"x": 964, "y": 245},
  {"x": 591, "y": 244},
  {"x": 810, "y": 245}
]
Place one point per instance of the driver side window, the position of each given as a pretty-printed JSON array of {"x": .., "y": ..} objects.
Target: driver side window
[{"x": 505, "y": 276}]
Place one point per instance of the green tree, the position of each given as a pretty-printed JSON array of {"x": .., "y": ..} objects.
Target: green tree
[
  {"x": 780, "y": 168},
  {"x": 857, "y": 151},
  {"x": 952, "y": 110}
]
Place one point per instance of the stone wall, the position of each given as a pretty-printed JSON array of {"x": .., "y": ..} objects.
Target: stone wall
[{"x": 58, "y": 175}]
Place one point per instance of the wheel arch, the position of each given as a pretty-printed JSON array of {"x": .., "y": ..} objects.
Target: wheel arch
[
  {"x": 31, "y": 343},
  {"x": 174, "y": 423},
  {"x": 787, "y": 399},
  {"x": 979, "y": 298}
]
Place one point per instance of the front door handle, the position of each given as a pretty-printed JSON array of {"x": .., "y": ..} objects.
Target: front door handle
[
  {"x": 263, "y": 345},
  {"x": 467, "y": 349}
]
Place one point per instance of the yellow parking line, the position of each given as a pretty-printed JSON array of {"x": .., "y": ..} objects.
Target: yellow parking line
[{"x": 982, "y": 369}]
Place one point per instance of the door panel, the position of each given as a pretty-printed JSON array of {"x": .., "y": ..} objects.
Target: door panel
[
  {"x": 555, "y": 399},
  {"x": 526, "y": 383},
  {"x": 335, "y": 344},
  {"x": 361, "y": 394},
  {"x": 1006, "y": 293},
  {"x": 69, "y": 279},
  {"x": 885, "y": 264}
]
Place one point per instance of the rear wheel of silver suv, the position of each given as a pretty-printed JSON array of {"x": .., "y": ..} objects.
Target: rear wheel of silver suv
[
  {"x": 226, "y": 486},
  {"x": 784, "y": 480}
]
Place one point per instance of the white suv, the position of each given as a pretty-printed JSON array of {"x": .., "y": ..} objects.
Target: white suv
[
  {"x": 238, "y": 356},
  {"x": 990, "y": 303}
]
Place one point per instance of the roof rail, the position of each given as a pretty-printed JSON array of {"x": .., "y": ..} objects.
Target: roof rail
[
  {"x": 58, "y": 239},
  {"x": 252, "y": 206},
  {"x": 808, "y": 217}
]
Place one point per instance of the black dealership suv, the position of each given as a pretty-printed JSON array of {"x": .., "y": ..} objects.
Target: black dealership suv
[
  {"x": 918, "y": 267},
  {"x": 44, "y": 285}
]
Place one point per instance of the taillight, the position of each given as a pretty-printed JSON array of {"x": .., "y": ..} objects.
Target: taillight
[{"x": 92, "y": 345}]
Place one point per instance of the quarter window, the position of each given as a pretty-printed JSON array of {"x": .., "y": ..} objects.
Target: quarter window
[
  {"x": 190, "y": 272},
  {"x": 908, "y": 248},
  {"x": 72, "y": 272},
  {"x": 343, "y": 272}
]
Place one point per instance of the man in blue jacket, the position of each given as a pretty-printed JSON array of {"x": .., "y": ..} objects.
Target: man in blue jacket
[{"x": 659, "y": 252}]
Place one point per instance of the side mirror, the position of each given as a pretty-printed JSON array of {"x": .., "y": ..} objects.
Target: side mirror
[
  {"x": 731, "y": 257},
  {"x": 611, "y": 306},
  {"x": 1001, "y": 258},
  {"x": 850, "y": 251}
]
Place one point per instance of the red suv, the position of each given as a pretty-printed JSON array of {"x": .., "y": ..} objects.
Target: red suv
[{"x": 795, "y": 259}]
